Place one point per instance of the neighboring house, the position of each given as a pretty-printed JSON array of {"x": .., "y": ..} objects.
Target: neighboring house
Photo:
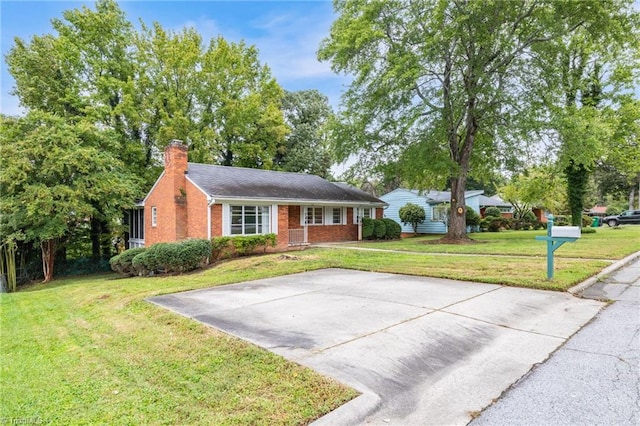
[
  {"x": 435, "y": 204},
  {"x": 191, "y": 200},
  {"x": 600, "y": 211},
  {"x": 506, "y": 208}
]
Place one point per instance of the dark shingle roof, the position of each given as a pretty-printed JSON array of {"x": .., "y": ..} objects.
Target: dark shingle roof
[{"x": 242, "y": 183}]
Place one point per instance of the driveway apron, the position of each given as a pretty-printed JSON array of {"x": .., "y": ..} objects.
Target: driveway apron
[{"x": 420, "y": 350}]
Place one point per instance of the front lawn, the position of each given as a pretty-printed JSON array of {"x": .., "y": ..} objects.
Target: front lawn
[
  {"x": 606, "y": 243},
  {"x": 91, "y": 350}
]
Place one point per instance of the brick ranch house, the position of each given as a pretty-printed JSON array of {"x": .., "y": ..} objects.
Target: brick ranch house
[{"x": 191, "y": 200}]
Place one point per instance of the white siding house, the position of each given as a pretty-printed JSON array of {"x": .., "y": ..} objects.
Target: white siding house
[{"x": 433, "y": 203}]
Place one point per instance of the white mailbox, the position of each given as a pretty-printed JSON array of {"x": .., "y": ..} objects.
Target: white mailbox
[{"x": 566, "y": 231}]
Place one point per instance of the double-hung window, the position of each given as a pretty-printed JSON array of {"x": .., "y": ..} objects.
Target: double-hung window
[
  {"x": 249, "y": 220},
  {"x": 336, "y": 215},
  {"x": 314, "y": 215}
]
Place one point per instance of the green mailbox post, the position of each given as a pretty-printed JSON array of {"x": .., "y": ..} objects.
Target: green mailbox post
[{"x": 557, "y": 236}]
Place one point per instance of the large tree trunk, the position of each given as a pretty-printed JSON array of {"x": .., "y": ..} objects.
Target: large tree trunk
[
  {"x": 95, "y": 238},
  {"x": 48, "y": 257},
  {"x": 577, "y": 179},
  {"x": 457, "y": 219}
]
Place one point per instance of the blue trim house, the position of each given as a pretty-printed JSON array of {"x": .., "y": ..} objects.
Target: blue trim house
[{"x": 435, "y": 205}]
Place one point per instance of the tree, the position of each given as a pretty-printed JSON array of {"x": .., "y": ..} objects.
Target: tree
[
  {"x": 537, "y": 186},
  {"x": 582, "y": 77},
  {"x": 147, "y": 87},
  {"x": 305, "y": 151},
  {"x": 438, "y": 84},
  {"x": 53, "y": 171},
  {"x": 412, "y": 214}
]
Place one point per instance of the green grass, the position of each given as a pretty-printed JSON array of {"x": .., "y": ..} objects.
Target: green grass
[
  {"x": 606, "y": 243},
  {"x": 90, "y": 350}
]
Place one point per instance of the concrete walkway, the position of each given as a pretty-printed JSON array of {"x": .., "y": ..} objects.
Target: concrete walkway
[
  {"x": 594, "y": 379},
  {"x": 420, "y": 350}
]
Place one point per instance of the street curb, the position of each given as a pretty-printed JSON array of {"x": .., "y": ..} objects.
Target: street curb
[{"x": 579, "y": 288}]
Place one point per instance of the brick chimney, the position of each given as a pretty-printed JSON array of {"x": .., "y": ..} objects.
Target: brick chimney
[{"x": 175, "y": 166}]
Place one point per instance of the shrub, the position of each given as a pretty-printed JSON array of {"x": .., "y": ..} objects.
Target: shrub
[
  {"x": 472, "y": 218},
  {"x": 367, "y": 228},
  {"x": 186, "y": 255},
  {"x": 248, "y": 244},
  {"x": 379, "y": 229},
  {"x": 181, "y": 256},
  {"x": 412, "y": 214},
  {"x": 586, "y": 221},
  {"x": 393, "y": 229},
  {"x": 588, "y": 231},
  {"x": 122, "y": 263},
  {"x": 492, "y": 212},
  {"x": 560, "y": 221},
  {"x": 494, "y": 224},
  {"x": 218, "y": 247},
  {"x": 143, "y": 263},
  {"x": 529, "y": 217}
]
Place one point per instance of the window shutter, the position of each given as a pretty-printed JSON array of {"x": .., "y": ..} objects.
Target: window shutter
[
  {"x": 226, "y": 221},
  {"x": 274, "y": 219}
]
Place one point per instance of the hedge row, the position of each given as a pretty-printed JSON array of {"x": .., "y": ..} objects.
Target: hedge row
[
  {"x": 182, "y": 256},
  {"x": 241, "y": 245},
  {"x": 379, "y": 229}
]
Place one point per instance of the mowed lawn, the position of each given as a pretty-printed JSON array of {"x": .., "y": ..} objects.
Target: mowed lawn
[
  {"x": 606, "y": 243},
  {"x": 91, "y": 350}
]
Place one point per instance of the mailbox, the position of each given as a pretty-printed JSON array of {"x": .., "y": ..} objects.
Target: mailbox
[{"x": 566, "y": 231}]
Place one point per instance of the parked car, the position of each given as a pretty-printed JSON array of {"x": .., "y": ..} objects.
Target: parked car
[{"x": 626, "y": 217}]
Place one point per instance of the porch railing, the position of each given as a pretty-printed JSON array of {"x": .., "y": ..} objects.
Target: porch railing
[{"x": 298, "y": 237}]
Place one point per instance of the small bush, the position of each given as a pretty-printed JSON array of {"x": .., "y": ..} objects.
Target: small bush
[
  {"x": 219, "y": 245},
  {"x": 495, "y": 224},
  {"x": 248, "y": 244},
  {"x": 181, "y": 256},
  {"x": 393, "y": 229},
  {"x": 492, "y": 212},
  {"x": 561, "y": 221},
  {"x": 588, "y": 231},
  {"x": 144, "y": 263},
  {"x": 472, "y": 218},
  {"x": 367, "y": 228},
  {"x": 586, "y": 221},
  {"x": 379, "y": 229},
  {"x": 122, "y": 263},
  {"x": 412, "y": 214}
]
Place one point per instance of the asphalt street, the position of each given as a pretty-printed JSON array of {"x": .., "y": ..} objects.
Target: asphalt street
[{"x": 594, "y": 379}]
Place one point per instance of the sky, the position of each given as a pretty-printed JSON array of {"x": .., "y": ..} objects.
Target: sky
[{"x": 286, "y": 33}]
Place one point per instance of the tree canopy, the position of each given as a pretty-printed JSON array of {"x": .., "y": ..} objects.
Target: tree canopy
[
  {"x": 56, "y": 174},
  {"x": 442, "y": 87}
]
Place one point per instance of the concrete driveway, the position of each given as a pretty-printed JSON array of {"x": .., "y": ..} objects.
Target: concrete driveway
[{"x": 420, "y": 350}]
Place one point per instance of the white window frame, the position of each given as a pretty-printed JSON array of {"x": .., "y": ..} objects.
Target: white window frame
[
  {"x": 363, "y": 212},
  {"x": 262, "y": 216},
  {"x": 317, "y": 213},
  {"x": 330, "y": 216},
  {"x": 439, "y": 207},
  {"x": 154, "y": 216}
]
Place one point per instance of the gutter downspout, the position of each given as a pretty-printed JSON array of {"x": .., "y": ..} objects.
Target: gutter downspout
[{"x": 210, "y": 202}]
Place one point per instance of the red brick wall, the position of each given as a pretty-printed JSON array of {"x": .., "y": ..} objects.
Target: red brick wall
[
  {"x": 196, "y": 212},
  {"x": 168, "y": 196},
  {"x": 332, "y": 233},
  {"x": 284, "y": 220},
  {"x": 216, "y": 220}
]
